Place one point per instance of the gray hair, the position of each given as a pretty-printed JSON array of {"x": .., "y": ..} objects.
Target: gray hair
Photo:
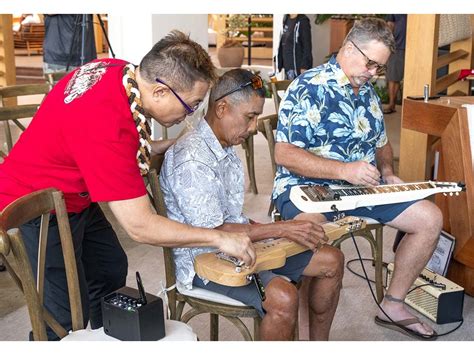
[
  {"x": 179, "y": 61},
  {"x": 231, "y": 80},
  {"x": 370, "y": 29}
]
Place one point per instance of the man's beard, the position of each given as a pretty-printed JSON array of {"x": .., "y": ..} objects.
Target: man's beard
[{"x": 360, "y": 80}]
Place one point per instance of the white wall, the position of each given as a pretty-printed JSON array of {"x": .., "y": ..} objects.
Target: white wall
[
  {"x": 194, "y": 25},
  {"x": 132, "y": 36},
  {"x": 320, "y": 41}
]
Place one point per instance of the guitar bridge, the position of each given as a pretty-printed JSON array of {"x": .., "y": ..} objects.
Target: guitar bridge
[{"x": 232, "y": 259}]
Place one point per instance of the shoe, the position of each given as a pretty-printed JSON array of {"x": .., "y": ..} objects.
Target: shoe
[
  {"x": 401, "y": 326},
  {"x": 388, "y": 111}
]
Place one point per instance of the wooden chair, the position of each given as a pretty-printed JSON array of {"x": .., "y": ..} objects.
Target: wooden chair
[
  {"x": 201, "y": 301},
  {"x": 40, "y": 204},
  {"x": 53, "y": 78},
  {"x": 13, "y": 113},
  {"x": 30, "y": 37},
  {"x": 248, "y": 147},
  {"x": 276, "y": 89}
]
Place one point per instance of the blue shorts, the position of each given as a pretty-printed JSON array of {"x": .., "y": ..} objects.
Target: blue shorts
[
  {"x": 381, "y": 213},
  {"x": 293, "y": 269}
]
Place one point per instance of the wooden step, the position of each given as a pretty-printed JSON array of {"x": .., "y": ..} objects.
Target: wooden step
[{"x": 29, "y": 71}]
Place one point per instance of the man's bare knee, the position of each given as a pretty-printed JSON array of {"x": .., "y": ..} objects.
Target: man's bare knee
[
  {"x": 335, "y": 262},
  {"x": 328, "y": 262},
  {"x": 281, "y": 298}
]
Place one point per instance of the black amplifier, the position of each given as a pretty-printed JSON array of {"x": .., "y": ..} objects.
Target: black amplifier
[{"x": 127, "y": 315}]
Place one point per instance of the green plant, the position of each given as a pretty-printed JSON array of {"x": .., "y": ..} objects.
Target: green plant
[
  {"x": 235, "y": 23},
  {"x": 382, "y": 93},
  {"x": 321, "y": 18}
]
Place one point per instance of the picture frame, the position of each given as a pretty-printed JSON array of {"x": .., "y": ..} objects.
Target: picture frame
[{"x": 439, "y": 261}]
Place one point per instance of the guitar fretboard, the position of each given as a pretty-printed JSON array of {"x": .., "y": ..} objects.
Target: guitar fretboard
[
  {"x": 324, "y": 193},
  {"x": 321, "y": 199}
]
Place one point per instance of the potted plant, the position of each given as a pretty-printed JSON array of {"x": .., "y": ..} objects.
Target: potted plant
[{"x": 231, "y": 53}]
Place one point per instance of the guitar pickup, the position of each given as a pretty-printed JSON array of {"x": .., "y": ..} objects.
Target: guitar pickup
[{"x": 231, "y": 259}]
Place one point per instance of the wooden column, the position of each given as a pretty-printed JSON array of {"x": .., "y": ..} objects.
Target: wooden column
[
  {"x": 420, "y": 54},
  {"x": 7, "y": 53}
]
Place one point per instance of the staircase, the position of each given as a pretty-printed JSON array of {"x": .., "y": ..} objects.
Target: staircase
[{"x": 29, "y": 75}]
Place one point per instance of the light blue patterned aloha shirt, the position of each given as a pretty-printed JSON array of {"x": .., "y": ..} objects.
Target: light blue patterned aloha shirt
[
  {"x": 203, "y": 186},
  {"x": 321, "y": 114}
]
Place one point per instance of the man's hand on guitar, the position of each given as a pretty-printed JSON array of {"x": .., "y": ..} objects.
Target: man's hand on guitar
[
  {"x": 306, "y": 233},
  {"x": 238, "y": 245},
  {"x": 392, "y": 179},
  {"x": 361, "y": 173}
]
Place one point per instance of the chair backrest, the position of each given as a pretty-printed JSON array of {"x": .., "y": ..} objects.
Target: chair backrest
[
  {"x": 156, "y": 196},
  {"x": 53, "y": 78},
  {"x": 266, "y": 125},
  {"x": 276, "y": 88},
  {"x": 24, "y": 209},
  {"x": 12, "y": 113}
]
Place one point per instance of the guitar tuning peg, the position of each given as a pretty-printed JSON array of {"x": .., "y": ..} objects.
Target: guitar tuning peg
[
  {"x": 457, "y": 193},
  {"x": 444, "y": 194},
  {"x": 450, "y": 194}
]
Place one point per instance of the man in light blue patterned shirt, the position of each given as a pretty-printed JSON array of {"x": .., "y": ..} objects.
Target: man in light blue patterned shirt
[
  {"x": 203, "y": 185},
  {"x": 331, "y": 130}
]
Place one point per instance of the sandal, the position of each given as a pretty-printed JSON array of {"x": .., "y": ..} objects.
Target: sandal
[
  {"x": 401, "y": 326},
  {"x": 388, "y": 111}
]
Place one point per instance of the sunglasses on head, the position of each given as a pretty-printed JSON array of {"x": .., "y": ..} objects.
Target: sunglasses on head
[{"x": 256, "y": 82}]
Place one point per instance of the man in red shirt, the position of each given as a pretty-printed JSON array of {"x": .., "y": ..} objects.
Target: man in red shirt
[{"x": 91, "y": 139}]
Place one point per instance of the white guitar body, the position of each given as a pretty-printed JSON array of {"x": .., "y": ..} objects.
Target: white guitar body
[{"x": 321, "y": 199}]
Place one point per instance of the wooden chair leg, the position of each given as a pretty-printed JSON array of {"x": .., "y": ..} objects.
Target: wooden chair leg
[
  {"x": 214, "y": 327},
  {"x": 270, "y": 208},
  {"x": 179, "y": 310},
  {"x": 378, "y": 257},
  {"x": 256, "y": 328}
]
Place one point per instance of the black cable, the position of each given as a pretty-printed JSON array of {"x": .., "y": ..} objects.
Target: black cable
[
  {"x": 416, "y": 334},
  {"x": 384, "y": 264}
]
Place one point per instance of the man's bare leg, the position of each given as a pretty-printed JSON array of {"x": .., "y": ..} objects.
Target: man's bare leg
[
  {"x": 326, "y": 269},
  {"x": 281, "y": 305},
  {"x": 393, "y": 87},
  {"x": 423, "y": 222},
  {"x": 324, "y": 275}
]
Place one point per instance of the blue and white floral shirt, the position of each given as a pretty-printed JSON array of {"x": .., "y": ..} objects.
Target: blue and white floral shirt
[
  {"x": 321, "y": 114},
  {"x": 203, "y": 186}
]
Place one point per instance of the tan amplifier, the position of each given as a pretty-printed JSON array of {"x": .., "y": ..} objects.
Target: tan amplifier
[{"x": 441, "y": 300}]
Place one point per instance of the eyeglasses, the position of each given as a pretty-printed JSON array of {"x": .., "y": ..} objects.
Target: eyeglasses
[
  {"x": 371, "y": 64},
  {"x": 255, "y": 81},
  {"x": 189, "y": 110}
]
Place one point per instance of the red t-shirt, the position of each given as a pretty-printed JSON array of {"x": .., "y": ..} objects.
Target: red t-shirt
[{"x": 82, "y": 141}]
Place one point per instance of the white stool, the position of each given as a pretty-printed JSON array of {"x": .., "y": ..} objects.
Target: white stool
[{"x": 174, "y": 330}]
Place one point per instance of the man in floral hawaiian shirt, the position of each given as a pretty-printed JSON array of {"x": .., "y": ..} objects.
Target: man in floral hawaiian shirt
[
  {"x": 331, "y": 130},
  {"x": 202, "y": 180}
]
